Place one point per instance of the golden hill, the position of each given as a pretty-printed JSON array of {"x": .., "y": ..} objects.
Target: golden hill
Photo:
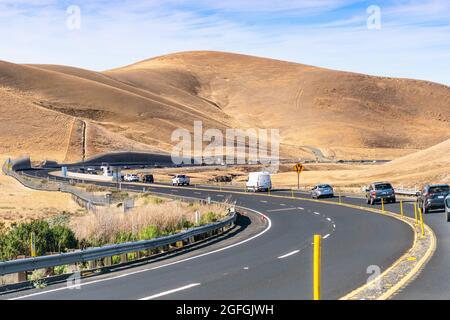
[{"x": 66, "y": 113}]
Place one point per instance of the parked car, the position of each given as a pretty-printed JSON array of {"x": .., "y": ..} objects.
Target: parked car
[
  {"x": 380, "y": 190},
  {"x": 322, "y": 190},
  {"x": 130, "y": 177},
  {"x": 91, "y": 171},
  {"x": 147, "y": 178},
  {"x": 180, "y": 180},
  {"x": 432, "y": 197},
  {"x": 447, "y": 207},
  {"x": 259, "y": 181}
]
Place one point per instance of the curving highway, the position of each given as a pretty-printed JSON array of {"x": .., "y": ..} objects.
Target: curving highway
[{"x": 271, "y": 261}]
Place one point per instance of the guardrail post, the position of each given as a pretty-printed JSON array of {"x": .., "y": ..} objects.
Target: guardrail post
[
  {"x": 123, "y": 258},
  {"x": 415, "y": 212},
  {"x": 316, "y": 276},
  {"x": 401, "y": 208},
  {"x": 107, "y": 261},
  {"x": 421, "y": 222}
]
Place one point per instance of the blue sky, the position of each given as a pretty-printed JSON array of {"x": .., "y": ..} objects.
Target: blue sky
[{"x": 412, "y": 41}]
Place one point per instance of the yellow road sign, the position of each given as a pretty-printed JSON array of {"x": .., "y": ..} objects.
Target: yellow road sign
[{"x": 298, "y": 168}]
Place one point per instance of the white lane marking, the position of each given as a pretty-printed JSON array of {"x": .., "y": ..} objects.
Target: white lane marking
[
  {"x": 328, "y": 219},
  {"x": 288, "y": 254},
  {"x": 282, "y": 204},
  {"x": 263, "y": 201},
  {"x": 300, "y": 208},
  {"x": 219, "y": 195},
  {"x": 269, "y": 226},
  {"x": 197, "y": 192},
  {"x": 284, "y": 209},
  {"x": 174, "y": 190},
  {"x": 326, "y": 236},
  {"x": 245, "y": 268},
  {"x": 165, "y": 293},
  {"x": 317, "y": 213},
  {"x": 334, "y": 226}
]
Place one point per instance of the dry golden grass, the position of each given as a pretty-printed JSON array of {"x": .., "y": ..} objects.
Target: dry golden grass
[
  {"x": 166, "y": 215},
  {"x": 20, "y": 204}
]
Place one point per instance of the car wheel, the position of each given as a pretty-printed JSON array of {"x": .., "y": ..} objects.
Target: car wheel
[{"x": 448, "y": 216}]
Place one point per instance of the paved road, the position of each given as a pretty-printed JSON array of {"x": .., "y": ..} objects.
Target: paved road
[{"x": 274, "y": 265}]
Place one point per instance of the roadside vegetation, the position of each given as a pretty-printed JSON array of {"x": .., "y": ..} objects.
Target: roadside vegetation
[{"x": 155, "y": 217}]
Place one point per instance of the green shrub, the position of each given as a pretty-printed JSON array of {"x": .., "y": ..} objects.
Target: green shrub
[
  {"x": 149, "y": 232},
  {"x": 210, "y": 217},
  {"x": 60, "y": 270},
  {"x": 16, "y": 241}
]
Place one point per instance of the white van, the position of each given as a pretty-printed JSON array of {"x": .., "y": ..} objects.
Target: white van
[{"x": 259, "y": 181}]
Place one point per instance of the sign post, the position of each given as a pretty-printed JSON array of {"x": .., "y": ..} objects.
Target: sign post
[
  {"x": 298, "y": 168},
  {"x": 32, "y": 245}
]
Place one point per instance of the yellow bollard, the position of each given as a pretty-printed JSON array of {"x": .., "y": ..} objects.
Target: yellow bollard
[
  {"x": 401, "y": 208},
  {"x": 415, "y": 212},
  {"x": 421, "y": 222},
  {"x": 316, "y": 279},
  {"x": 382, "y": 204},
  {"x": 268, "y": 190}
]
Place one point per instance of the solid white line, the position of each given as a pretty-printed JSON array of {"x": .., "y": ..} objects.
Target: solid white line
[
  {"x": 301, "y": 208},
  {"x": 165, "y": 293},
  {"x": 289, "y": 254},
  {"x": 326, "y": 236},
  {"x": 269, "y": 226}
]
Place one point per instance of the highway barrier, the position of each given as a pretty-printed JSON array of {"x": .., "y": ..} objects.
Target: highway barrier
[{"x": 95, "y": 254}]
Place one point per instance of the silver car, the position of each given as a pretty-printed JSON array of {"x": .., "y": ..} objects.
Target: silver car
[{"x": 322, "y": 190}]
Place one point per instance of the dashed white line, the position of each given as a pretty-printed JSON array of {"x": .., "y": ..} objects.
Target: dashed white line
[
  {"x": 282, "y": 204},
  {"x": 165, "y": 293},
  {"x": 326, "y": 236},
  {"x": 317, "y": 213},
  {"x": 300, "y": 208},
  {"x": 328, "y": 219},
  {"x": 197, "y": 192},
  {"x": 219, "y": 195},
  {"x": 288, "y": 254},
  {"x": 284, "y": 209},
  {"x": 263, "y": 201}
]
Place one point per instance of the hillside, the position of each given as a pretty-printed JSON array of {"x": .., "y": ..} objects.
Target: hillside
[
  {"x": 431, "y": 165},
  {"x": 67, "y": 113}
]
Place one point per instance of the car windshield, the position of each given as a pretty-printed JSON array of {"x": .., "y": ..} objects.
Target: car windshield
[
  {"x": 181, "y": 176},
  {"x": 324, "y": 186},
  {"x": 439, "y": 189},
  {"x": 448, "y": 202},
  {"x": 383, "y": 186}
]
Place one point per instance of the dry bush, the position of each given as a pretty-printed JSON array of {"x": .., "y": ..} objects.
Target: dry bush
[{"x": 106, "y": 225}]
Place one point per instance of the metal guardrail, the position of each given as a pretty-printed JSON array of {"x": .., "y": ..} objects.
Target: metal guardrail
[
  {"x": 20, "y": 265},
  {"x": 42, "y": 184}
]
